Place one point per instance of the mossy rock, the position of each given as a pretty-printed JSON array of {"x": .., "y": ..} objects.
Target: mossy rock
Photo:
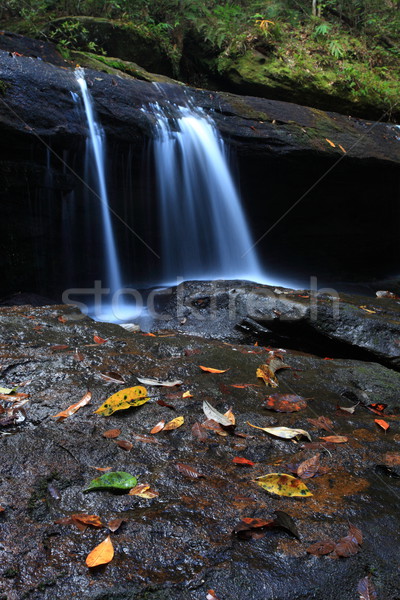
[
  {"x": 127, "y": 41},
  {"x": 118, "y": 67}
]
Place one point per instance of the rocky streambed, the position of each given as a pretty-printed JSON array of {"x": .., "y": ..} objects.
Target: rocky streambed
[{"x": 181, "y": 543}]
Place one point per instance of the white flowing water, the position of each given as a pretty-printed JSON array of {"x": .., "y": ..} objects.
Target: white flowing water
[
  {"x": 203, "y": 228},
  {"x": 95, "y": 157}
]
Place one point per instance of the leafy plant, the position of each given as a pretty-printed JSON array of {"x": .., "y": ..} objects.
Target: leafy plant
[{"x": 336, "y": 49}]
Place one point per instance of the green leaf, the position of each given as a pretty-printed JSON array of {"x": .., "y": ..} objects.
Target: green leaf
[
  {"x": 134, "y": 396},
  {"x": 7, "y": 390},
  {"x": 116, "y": 480}
]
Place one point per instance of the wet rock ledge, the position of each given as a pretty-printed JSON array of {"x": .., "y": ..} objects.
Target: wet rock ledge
[{"x": 180, "y": 544}]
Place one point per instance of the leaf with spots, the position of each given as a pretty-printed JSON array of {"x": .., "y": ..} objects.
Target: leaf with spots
[
  {"x": 174, "y": 424},
  {"x": 283, "y": 485},
  {"x": 116, "y": 480},
  {"x": 283, "y": 432},
  {"x": 285, "y": 402},
  {"x": 102, "y": 554},
  {"x": 134, "y": 396}
]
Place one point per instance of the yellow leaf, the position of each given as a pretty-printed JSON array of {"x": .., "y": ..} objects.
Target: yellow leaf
[
  {"x": 174, "y": 424},
  {"x": 368, "y": 310},
  {"x": 230, "y": 416},
  {"x": 342, "y": 149},
  {"x": 283, "y": 432},
  {"x": 102, "y": 554},
  {"x": 143, "y": 491},
  {"x": 283, "y": 485},
  {"x": 211, "y": 370},
  {"x": 187, "y": 395},
  {"x": 267, "y": 375},
  {"x": 331, "y": 143},
  {"x": 134, "y": 396},
  {"x": 72, "y": 409}
]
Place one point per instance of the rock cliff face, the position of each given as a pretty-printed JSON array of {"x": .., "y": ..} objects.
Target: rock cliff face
[{"x": 336, "y": 177}]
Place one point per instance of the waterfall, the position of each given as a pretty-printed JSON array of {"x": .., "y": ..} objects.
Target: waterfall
[
  {"x": 202, "y": 224},
  {"x": 95, "y": 160}
]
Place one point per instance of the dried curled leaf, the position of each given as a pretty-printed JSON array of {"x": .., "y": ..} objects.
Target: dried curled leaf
[
  {"x": 143, "y": 490},
  {"x": 267, "y": 371},
  {"x": 102, "y": 554},
  {"x": 211, "y": 370},
  {"x": 382, "y": 424},
  {"x": 215, "y": 415},
  {"x": 283, "y": 485},
  {"x": 283, "y": 432},
  {"x": 366, "y": 589},
  {"x": 99, "y": 340},
  {"x": 134, "y": 396},
  {"x": 72, "y": 409},
  {"x": 174, "y": 424}
]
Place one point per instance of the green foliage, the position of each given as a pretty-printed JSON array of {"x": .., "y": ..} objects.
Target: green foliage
[
  {"x": 72, "y": 35},
  {"x": 336, "y": 49},
  {"x": 322, "y": 29}
]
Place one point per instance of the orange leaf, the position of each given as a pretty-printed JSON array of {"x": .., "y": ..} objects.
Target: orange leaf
[
  {"x": 102, "y": 554},
  {"x": 102, "y": 468},
  {"x": 242, "y": 461},
  {"x": 160, "y": 425},
  {"x": 211, "y": 595},
  {"x": 330, "y": 143},
  {"x": 92, "y": 520},
  {"x": 61, "y": 319},
  {"x": 335, "y": 439},
  {"x": 143, "y": 491},
  {"x": 99, "y": 340},
  {"x": 174, "y": 424},
  {"x": 382, "y": 423},
  {"x": 149, "y": 335},
  {"x": 72, "y": 409},
  {"x": 124, "y": 445},
  {"x": 187, "y": 395},
  {"x": 211, "y": 370},
  {"x": 112, "y": 433},
  {"x": 342, "y": 149},
  {"x": 230, "y": 416}
]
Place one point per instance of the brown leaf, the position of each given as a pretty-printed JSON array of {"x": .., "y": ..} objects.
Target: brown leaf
[
  {"x": 162, "y": 403},
  {"x": 124, "y": 445},
  {"x": 199, "y": 432},
  {"x": 114, "y": 524},
  {"x": 92, "y": 520},
  {"x": 112, "y": 433},
  {"x": 322, "y": 423},
  {"x": 346, "y": 547},
  {"x": 392, "y": 459},
  {"x": 309, "y": 467},
  {"x": 146, "y": 439},
  {"x": 335, "y": 439},
  {"x": 112, "y": 376},
  {"x": 59, "y": 347},
  {"x": 143, "y": 490},
  {"x": 160, "y": 425},
  {"x": 321, "y": 548},
  {"x": 214, "y": 426},
  {"x": 188, "y": 471},
  {"x": 99, "y": 340},
  {"x": 211, "y": 595},
  {"x": 366, "y": 589},
  {"x": 102, "y": 554}
]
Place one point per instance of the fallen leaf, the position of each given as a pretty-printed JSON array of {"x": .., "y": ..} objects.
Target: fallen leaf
[
  {"x": 285, "y": 402},
  {"x": 124, "y": 444},
  {"x": 321, "y": 548},
  {"x": 211, "y": 595},
  {"x": 368, "y": 310},
  {"x": 322, "y": 423},
  {"x": 239, "y": 460},
  {"x": 267, "y": 371},
  {"x": 146, "y": 439},
  {"x": 211, "y": 370},
  {"x": 377, "y": 407},
  {"x": 112, "y": 433},
  {"x": 114, "y": 524},
  {"x": 162, "y": 403},
  {"x": 174, "y": 424},
  {"x": 215, "y": 415},
  {"x": 134, "y": 396},
  {"x": 199, "y": 432},
  {"x": 366, "y": 589},
  {"x": 102, "y": 554},
  {"x": 283, "y": 485},
  {"x": 59, "y": 347},
  {"x": 113, "y": 377},
  {"x": 86, "y": 520},
  {"x": 285, "y": 521},
  {"x": 382, "y": 424},
  {"x": 99, "y": 340},
  {"x": 392, "y": 459},
  {"x": 78, "y": 356},
  {"x": 229, "y": 414},
  {"x": 158, "y": 382},
  {"x": 187, "y": 395},
  {"x": 348, "y": 409},
  {"x": 188, "y": 471},
  {"x": 309, "y": 467},
  {"x": 283, "y": 432},
  {"x": 158, "y": 427},
  {"x": 143, "y": 491},
  {"x": 102, "y": 468},
  {"x": 258, "y": 528},
  {"x": 72, "y": 409},
  {"x": 335, "y": 439},
  {"x": 330, "y": 143},
  {"x": 61, "y": 319},
  {"x": 117, "y": 480},
  {"x": 2, "y": 509},
  {"x": 342, "y": 149},
  {"x": 212, "y": 425}
]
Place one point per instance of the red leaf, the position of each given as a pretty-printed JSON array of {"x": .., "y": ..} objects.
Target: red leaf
[
  {"x": 162, "y": 403},
  {"x": 285, "y": 402},
  {"x": 99, "y": 340},
  {"x": 379, "y": 407},
  {"x": 188, "y": 471},
  {"x": 243, "y": 461}
]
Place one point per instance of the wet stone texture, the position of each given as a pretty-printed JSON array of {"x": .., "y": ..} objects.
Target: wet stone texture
[{"x": 180, "y": 544}]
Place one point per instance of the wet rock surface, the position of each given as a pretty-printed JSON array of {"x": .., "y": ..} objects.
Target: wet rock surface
[{"x": 180, "y": 544}]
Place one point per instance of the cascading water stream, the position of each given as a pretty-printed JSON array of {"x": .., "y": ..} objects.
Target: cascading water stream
[
  {"x": 95, "y": 156},
  {"x": 203, "y": 227}
]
